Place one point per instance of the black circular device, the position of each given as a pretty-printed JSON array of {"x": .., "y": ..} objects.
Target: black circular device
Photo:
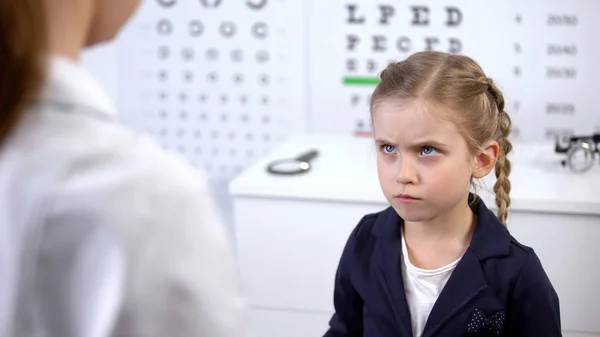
[{"x": 291, "y": 166}]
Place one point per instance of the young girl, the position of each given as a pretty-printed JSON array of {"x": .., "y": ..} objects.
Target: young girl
[{"x": 438, "y": 262}]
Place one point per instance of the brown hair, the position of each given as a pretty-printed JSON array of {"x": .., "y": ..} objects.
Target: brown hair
[
  {"x": 22, "y": 46},
  {"x": 459, "y": 83}
]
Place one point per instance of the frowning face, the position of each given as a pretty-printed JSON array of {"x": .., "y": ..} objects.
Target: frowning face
[{"x": 423, "y": 161}]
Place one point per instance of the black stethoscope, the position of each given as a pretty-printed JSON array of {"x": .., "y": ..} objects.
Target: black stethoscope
[{"x": 298, "y": 165}]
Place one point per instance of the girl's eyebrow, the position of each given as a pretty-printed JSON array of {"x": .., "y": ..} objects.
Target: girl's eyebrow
[
  {"x": 381, "y": 141},
  {"x": 417, "y": 144},
  {"x": 430, "y": 142}
]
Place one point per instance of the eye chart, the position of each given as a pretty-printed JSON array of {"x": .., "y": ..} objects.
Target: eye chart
[
  {"x": 540, "y": 53},
  {"x": 219, "y": 81}
]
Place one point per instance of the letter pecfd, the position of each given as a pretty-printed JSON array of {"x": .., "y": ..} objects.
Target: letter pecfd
[
  {"x": 387, "y": 11},
  {"x": 211, "y": 4},
  {"x": 379, "y": 43},
  {"x": 420, "y": 16},
  {"x": 352, "y": 15},
  {"x": 454, "y": 16},
  {"x": 256, "y": 4}
]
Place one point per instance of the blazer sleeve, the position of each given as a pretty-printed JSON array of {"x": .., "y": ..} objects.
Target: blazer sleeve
[
  {"x": 534, "y": 306},
  {"x": 347, "y": 319}
]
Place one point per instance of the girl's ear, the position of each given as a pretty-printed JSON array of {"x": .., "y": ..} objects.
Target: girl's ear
[{"x": 486, "y": 160}]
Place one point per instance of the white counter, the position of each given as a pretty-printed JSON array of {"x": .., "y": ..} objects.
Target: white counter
[
  {"x": 345, "y": 171},
  {"x": 290, "y": 230}
]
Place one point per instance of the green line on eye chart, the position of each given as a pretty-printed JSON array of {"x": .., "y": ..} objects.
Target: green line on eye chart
[{"x": 365, "y": 81}]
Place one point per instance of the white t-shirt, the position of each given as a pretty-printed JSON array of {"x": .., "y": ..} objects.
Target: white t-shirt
[{"x": 422, "y": 289}]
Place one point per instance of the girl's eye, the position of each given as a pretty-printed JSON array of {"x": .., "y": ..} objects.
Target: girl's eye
[
  {"x": 428, "y": 151},
  {"x": 389, "y": 149}
]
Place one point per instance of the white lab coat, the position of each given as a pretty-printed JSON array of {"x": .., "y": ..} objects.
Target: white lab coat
[{"x": 104, "y": 234}]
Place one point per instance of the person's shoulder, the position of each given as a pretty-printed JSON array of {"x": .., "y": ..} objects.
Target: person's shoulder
[
  {"x": 166, "y": 176},
  {"x": 518, "y": 253},
  {"x": 519, "y": 249},
  {"x": 372, "y": 226},
  {"x": 523, "y": 256},
  {"x": 365, "y": 225},
  {"x": 138, "y": 155},
  {"x": 520, "y": 261},
  {"x": 495, "y": 244},
  {"x": 172, "y": 166}
]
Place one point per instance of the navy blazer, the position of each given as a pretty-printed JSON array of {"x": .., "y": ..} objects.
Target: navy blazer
[{"x": 497, "y": 277}]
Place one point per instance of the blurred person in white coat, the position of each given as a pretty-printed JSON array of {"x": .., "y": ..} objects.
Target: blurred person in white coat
[{"x": 101, "y": 232}]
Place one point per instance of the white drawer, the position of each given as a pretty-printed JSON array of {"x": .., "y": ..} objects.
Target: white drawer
[{"x": 288, "y": 257}]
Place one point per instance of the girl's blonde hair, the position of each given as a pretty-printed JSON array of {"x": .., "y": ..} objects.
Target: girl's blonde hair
[{"x": 477, "y": 105}]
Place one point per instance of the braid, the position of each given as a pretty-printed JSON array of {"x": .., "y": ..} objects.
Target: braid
[{"x": 503, "y": 165}]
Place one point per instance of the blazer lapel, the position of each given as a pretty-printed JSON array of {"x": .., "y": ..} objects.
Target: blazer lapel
[
  {"x": 386, "y": 261},
  {"x": 466, "y": 282}
]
